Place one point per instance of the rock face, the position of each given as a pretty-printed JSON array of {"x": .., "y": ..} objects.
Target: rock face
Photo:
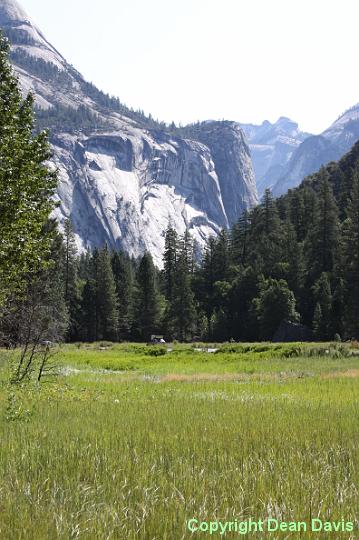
[
  {"x": 272, "y": 146},
  {"x": 228, "y": 145},
  {"x": 124, "y": 189},
  {"x": 319, "y": 150},
  {"x": 121, "y": 181}
]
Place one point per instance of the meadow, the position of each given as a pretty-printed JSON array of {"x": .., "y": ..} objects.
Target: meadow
[{"x": 131, "y": 442}]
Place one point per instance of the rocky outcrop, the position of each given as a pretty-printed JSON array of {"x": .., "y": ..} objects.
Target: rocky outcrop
[
  {"x": 126, "y": 190},
  {"x": 122, "y": 182},
  {"x": 231, "y": 155}
]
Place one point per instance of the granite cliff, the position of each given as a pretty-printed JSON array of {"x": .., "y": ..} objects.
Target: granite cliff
[{"x": 123, "y": 178}]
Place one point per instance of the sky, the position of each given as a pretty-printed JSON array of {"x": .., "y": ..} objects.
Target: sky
[{"x": 189, "y": 60}]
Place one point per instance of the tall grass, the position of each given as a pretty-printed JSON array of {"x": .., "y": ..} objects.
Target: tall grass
[{"x": 110, "y": 457}]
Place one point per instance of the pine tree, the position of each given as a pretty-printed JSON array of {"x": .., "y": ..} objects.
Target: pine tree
[
  {"x": 170, "y": 261},
  {"x": 204, "y": 281},
  {"x": 244, "y": 288},
  {"x": 169, "y": 273},
  {"x": 265, "y": 236},
  {"x": 351, "y": 262},
  {"x": 71, "y": 282},
  {"x": 70, "y": 256},
  {"x": 26, "y": 185},
  {"x": 344, "y": 183},
  {"x": 275, "y": 303},
  {"x": 84, "y": 265},
  {"x": 99, "y": 299},
  {"x": 293, "y": 259},
  {"x": 88, "y": 328},
  {"x": 186, "y": 250},
  {"x": 240, "y": 238},
  {"x": 310, "y": 201},
  {"x": 106, "y": 298},
  {"x": 269, "y": 213},
  {"x": 297, "y": 214},
  {"x": 182, "y": 306},
  {"x": 221, "y": 257},
  {"x": 322, "y": 319},
  {"x": 219, "y": 324},
  {"x": 147, "y": 300},
  {"x": 317, "y": 322},
  {"x": 122, "y": 272},
  {"x": 338, "y": 308},
  {"x": 323, "y": 240}
]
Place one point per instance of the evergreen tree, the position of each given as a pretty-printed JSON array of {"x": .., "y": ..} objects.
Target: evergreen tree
[
  {"x": 266, "y": 236},
  {"x": 244, "y": 288},
  {"x": 351, "y": 262},
  {"x": 71, "y": 282},
  {"x": 322, "y": 320},
  {"x": 170, "y": 261},
  {"x": 84, "y": 265},
  {"x": 221, "y": 257},
  {"x": 310, "y": 201},
  {"x": 186, "y": 250},
  {"x": 99, "y": 299},
  {"x": 293, "y": 260},
  {"x": 323, "y": 239},
  {"x": 297, "y": 214},
  {"x": 274, "y": 304},
  {"x": 122, "y": 272},
  {"x": 204, "y": 282},
  {"x": 106, "y": 298},
  {"x": 240, "y": 238},
  {"x": 219, "y": 326},
  {"x": 338, "y": 308},
  {"x": 88, "y": 328},
  {"x": 182, "y": 306},
  {"x": 40, "y": 312},
  {"x": 317, "y": 322},
  {"x": 147, "y": 300},
  {"x": 26, "y": 185},
  {"x": 344, "y": 183},
  {"x": 270, "y": 216}
]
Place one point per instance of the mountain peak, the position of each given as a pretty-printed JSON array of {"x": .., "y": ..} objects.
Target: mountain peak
[
  {"x": 11, "y": 11},
  {"x": 287, "y": 122}
]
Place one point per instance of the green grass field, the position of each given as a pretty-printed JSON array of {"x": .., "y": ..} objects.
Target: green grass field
[{"x": 131, "y": 442}]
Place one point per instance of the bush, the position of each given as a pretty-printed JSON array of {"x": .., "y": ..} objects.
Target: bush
[{"x": 156, "y": 351}]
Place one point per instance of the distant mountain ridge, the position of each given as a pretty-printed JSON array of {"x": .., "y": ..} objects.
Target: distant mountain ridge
[
  {"x": 319, "y": 150},
  {"x": 272, "y": 146},
  {"x": 123, "y": 176},
  {"x": 283, "y": 155}
]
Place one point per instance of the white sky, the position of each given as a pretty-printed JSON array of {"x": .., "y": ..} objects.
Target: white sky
[{"x": 188, "y": 60}]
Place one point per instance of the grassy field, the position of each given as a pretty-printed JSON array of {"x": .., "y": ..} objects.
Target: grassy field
[{"x": 131, "y": 442}]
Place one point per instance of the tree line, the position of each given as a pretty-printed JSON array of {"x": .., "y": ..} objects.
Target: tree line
[{"x": 294, "y": 259}]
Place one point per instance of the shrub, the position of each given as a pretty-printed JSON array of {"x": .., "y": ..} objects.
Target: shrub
[{"x": 156, "y": 351}]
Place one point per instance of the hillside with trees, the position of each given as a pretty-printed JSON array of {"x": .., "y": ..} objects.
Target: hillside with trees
[{"x": 293, "y": 259}]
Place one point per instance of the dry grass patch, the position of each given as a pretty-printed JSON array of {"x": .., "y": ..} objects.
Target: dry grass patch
[
  {"x": 349, "y": 374},
  {"x": 232, "y": 377}
]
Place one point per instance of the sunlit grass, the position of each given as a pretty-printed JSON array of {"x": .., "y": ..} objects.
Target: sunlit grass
[{"x": 134, "y": 454}]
